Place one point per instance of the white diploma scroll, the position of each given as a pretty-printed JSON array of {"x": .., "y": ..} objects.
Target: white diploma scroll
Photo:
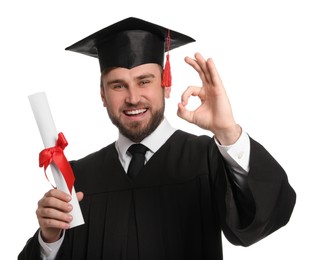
[{"x": 49, "y": 136}]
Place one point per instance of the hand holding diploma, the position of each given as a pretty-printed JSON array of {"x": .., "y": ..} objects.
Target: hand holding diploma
[{"x": 59, "y": 208}]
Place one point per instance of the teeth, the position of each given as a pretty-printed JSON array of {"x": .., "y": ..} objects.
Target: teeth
[{"x": 135, "y": 112}]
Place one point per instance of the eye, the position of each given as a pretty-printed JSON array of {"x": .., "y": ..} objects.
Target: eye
[
  {"x": 118, "y": 86},
  {"x": 144, "y": 82}
]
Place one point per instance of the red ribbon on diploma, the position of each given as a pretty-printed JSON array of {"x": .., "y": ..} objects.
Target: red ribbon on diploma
[{"x": 55, "y": 154}]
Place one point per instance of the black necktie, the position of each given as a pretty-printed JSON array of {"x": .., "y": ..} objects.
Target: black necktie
[{"x": 138, "y": 152}]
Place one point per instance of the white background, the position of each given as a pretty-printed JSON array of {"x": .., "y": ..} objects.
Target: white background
[{"x": 262, "y": 49}]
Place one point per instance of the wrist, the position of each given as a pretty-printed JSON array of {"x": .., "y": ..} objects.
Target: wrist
[
  {"x": 228, "y": 136},
  {"x": 51, "y": 237}
]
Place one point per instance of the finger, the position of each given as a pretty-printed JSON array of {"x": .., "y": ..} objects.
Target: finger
[
  {"x": 184, "y": 113},
  {"x": 51, "y": 213},
  {"x": 53, "y": 218},
  {"x": 58, "y": 194},
  {"x": 55, "y": 203},
  {"x": 190, "y": 91},
  {"x": 204, "y": 67},
  {"x": 215, "y": 77},
  {"x": 47, "y": 223},
  {"x": 194, "y": 63},
  {"x": 200, "y": 65},
  {"x": 80, "y": 195}
]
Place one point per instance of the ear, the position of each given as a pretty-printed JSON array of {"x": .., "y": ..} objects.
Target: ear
[
  {"x": 103, "y": 96},
  {"x": 167, "y": 91}
]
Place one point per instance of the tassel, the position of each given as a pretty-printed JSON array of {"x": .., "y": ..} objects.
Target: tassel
[{"x": 167, "y": 77}]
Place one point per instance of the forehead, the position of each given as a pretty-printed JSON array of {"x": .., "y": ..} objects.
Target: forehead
[{"x": 136, "y": 72}]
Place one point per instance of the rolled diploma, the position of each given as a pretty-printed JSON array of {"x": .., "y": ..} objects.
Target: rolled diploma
[{"x": 49, "y": 136}]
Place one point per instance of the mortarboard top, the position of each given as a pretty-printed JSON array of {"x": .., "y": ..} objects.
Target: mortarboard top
[{"x": 129, "y": 43}]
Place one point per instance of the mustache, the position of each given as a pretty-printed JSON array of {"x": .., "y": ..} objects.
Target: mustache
[{"x": 134, "y": 106}]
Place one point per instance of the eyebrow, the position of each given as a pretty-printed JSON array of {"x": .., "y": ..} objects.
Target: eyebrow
[
  {"x": 147, "y": 75},
  {"x": 115, "y": 81},
  {"x": 140, "y": 77}
]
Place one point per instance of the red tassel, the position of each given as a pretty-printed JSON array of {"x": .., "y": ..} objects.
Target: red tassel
[{"x": 167, "y": 76}]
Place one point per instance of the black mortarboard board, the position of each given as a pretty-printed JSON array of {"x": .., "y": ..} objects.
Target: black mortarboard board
[{"x": 130, "y": 43}]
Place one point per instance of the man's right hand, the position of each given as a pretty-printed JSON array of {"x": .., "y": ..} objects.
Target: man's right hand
[{"x": 53, "y": 214}]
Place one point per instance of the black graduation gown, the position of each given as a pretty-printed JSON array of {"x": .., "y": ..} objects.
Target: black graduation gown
[{"x": 182, "y": 199}]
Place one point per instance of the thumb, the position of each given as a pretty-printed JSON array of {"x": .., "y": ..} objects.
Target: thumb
[
  {"x": 79, "y": 195},
  {"x": 184, "y": 113}
]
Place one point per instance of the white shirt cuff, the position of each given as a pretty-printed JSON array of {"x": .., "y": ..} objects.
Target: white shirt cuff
[
  {"x": 237, "y": 155},
  {"x": 49, "y": 251}
]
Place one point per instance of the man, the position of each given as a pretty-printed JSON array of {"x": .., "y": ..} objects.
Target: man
[{"x": 191, "y": 187}]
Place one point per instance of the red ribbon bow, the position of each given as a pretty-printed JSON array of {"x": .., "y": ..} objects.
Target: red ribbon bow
[{"x": 55, "y": 154}]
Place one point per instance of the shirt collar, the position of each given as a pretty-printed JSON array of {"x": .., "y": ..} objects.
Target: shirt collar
[{"x": 154, "y": 141}]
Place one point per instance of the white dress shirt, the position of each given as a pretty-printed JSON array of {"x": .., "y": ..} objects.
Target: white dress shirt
[{"x": 236, "y": 155}]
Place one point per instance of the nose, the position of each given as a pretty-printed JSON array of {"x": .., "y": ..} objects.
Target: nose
[{"x": 133, "y": 96}]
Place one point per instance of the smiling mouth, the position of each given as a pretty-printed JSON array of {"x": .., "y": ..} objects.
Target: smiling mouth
[{"x": 135, "y": 112}]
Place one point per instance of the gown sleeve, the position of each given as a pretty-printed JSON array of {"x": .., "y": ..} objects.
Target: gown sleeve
[
  {"x": 31, "y": 251},
  {"x": 260, "y": 207}
]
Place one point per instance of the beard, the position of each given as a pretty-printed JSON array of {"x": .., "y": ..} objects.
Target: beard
[{"x": 136, "y": 131}]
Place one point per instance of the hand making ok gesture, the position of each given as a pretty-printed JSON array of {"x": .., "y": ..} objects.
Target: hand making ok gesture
[{"x": 214, "y": 113}]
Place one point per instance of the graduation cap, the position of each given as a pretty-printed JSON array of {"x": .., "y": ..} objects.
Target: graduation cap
[{"x": 132, "y": 42}]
